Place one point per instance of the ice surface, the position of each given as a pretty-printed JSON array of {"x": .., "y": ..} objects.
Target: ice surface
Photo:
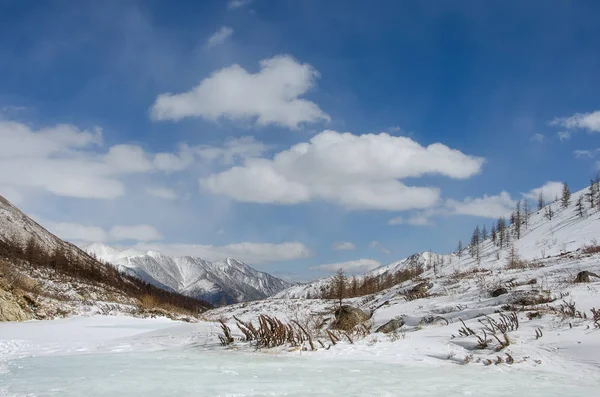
[
  {"x": 121, "y": 356},
  {"x": 209, "y": 373}
]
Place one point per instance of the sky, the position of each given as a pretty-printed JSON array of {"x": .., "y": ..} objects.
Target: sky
[{"x": 296, "y": 136}]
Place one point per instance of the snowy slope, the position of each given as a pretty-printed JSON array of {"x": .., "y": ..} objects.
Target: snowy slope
[
  {"x": 565, "y": 232},
  {"x": 229, "y": 279}
]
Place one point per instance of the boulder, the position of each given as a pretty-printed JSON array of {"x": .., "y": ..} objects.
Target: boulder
[
  {"x": 10, "y": 310},
  {"x": 391, "y": 326},
  {"x": 421, "y": 288},
  {"x": 584, "y": 276},
  {"x": 498, "y": 291},
  {"x": 347, "y": 317}
]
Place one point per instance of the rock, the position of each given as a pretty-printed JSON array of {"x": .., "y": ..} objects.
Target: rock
[
  {"x": 498, "y": 291},
  {"x": 10, "y": 310},
  {"x": 421, "y": 288},
  {"x": 347, "y": 317},
  {"x": 391, "y": 326},
  {"x": 584, "y": 276}
]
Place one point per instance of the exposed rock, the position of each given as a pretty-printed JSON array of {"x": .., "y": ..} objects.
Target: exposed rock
[
  {"x": 391, "y": 326},
  {"x": 347, "y": 317},
  {"x": 584, "y": 276},
  {"x": 10, "y": 310},
  {"x": 498, "y": 291},
  {"x": 421, "y": 288},
  {"x": 532, "y": 298}
]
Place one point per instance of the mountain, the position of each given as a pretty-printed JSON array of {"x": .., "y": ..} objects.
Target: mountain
[
  {"x": 542, "y": 237},
  {"x": 42, "y": 276},
  {"x": 229, "y": 279}
]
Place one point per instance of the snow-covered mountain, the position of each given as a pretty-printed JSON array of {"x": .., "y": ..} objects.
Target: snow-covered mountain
[
  {"x": 542, "y": 237},
  {"x": 229, "y": 279}
]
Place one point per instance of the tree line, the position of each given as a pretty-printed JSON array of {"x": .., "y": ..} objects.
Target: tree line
[
  {"x": 74, "y": 263},
  {"x": 504, "y": 230}
]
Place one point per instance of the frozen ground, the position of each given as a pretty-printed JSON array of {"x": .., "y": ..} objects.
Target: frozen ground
[{"x": 121, "y": 356}]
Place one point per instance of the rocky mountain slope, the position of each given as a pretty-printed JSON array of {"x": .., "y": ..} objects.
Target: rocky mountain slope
[
  {"x": 541, "y": 238},
  {"x": 228, "y": 280},
  {"x": 42, "y": 276}
]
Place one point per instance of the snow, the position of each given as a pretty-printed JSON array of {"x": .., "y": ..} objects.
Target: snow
[{"x": 115, "y": 355}]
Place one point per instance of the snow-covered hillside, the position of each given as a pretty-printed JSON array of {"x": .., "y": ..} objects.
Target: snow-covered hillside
[
  {"x": 228, "y": 279},
  {"x": 566, "y": 231}
]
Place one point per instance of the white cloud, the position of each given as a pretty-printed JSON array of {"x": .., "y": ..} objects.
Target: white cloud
[
  {"x": 235, "y": 4},
  {"x": 550, "y": 191},
  {"x": 254, "y": 253},
  {"x": 355, "y": 266},
  {"x": 219, "y": 37},
  {"x": 234, "y": 149},
  {"x": 76, "y": 232},
  {"x": 137, "y": 233},
  {"x": 586, "y": 154},
  {"x": 342, "y": 246},
  {"x": 564, "y": 135},
  {"x": 72, "y": 231},
  {"x": 66, "y": 161},
  {"x": 270, "y": 96},
  {"x": 356, "y": 172},
  {"x": 162, "y": 192},
  {"x": 378, "y": 246},
  {"x": 11, "y": 194},
  {"x": 486, "y": 206},
  {"x": 539, "y": 138},
  {"x": 415, "y": 220},
  {"x": 585, "y": 121}
]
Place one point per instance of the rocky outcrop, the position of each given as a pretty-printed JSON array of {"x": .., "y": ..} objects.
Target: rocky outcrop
[
  {"x": 347, "y": 317},
  {"x": 584, "y": 276},
  {"x": 10, "y": 310},
  {"x": 391, "y": 326}
]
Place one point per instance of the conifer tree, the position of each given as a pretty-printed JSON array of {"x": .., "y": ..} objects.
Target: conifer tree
[
  {"x": 566, "y": 195},
  {"x": 540, "y": 202},
  {"x": 579, "y": 206}
]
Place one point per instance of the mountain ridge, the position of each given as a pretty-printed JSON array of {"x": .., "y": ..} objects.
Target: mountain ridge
[{"x": 227, "y": 280}]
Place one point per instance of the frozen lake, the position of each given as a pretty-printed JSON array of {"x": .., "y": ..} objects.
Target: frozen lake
[{"x": 226, "y": 373}]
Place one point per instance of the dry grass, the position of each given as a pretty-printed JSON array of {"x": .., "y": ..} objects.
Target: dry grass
[{"x": 592, "y": 248}]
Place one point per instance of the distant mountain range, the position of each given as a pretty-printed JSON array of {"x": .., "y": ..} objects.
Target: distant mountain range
[{"x": 229, "y": 280}]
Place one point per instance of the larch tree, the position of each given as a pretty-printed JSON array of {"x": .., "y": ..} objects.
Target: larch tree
[
  {"x": 566, "y": 195},
  {"x": 339, "y": 285},
  {"x": 540, "y": 201},
  {"x": 579, "y": 206}
]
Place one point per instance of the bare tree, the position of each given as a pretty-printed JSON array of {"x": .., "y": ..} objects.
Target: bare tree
[
  {"x": 459, "y": 248},
  {"x": 540, "y": 202},
  {"x": 339, "y": 285}
]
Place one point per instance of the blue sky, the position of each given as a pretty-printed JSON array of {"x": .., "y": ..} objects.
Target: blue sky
[{"x": 279, "y": 132}]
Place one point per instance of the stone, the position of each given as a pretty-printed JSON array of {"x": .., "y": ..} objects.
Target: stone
[
  {"x": 347, "y": 317},
  {"x": 391, "y": 326},
  {"x": 498, "y": 291}
]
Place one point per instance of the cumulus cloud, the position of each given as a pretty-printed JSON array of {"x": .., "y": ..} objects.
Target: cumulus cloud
[
  {"x": 563, "y": 135},
  {"x": 342, "y": 246},
  {"x": 586, "y": 154},
  {"x": 355, "y": 266},
  {"x": 270, "y": 96},
  {"x": 380, "y": 247},
  {"x": 584, "y": 121},
  {"x": 355, "y": 171},
  {"x": 234, "y": 149},
  {"x": 137, "y": 233},
  {"x": 486, "y": 206},
  {"x": 219, "y": 37},
  {"x": 550, "y": 190},
  {"x": 255, "y": 253},
  {"x": 162, "y": 192},
  {"x": 414, "y": 220},
  {"x": 67, "y": 161},
  {"x": 87, "y": 233}
]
